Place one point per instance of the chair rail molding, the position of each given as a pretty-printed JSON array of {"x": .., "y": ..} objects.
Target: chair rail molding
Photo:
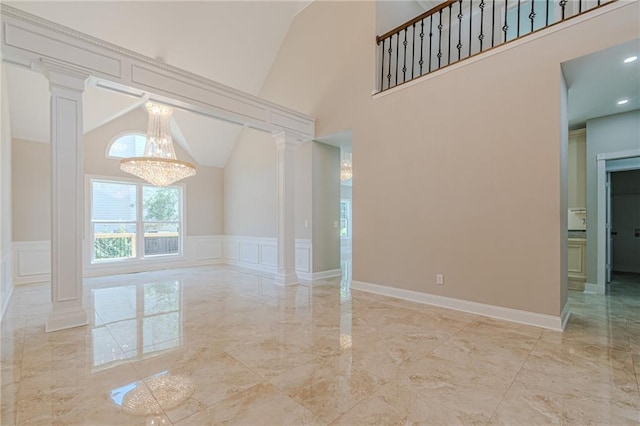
[{"x": 29, "y": 40}]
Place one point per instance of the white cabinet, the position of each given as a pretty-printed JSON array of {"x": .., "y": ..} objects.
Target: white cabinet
[
  {"x": 576, "y": 263},
  {"x": 577, "y": 169}
]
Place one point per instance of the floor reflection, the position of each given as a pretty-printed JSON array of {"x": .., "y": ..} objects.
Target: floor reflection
[
  {"x": 144, "y": 318},
  {"x": 220, "y": 345}
]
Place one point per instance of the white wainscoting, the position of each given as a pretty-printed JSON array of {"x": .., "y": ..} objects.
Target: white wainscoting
[
  {"x": 6, "y": 285},
  {"x": 262, "y": 254},
  {"x": 31, "y": 261}
]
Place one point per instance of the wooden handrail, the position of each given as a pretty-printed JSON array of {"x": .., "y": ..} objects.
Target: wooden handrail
[{"x": 418, "y": 18}]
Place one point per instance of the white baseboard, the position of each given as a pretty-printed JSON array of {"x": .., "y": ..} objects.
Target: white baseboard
[
  {"x": 591, "y": 288},
  {"x": 253, "y": 266},
  {"x": 314, "y": 276},
  {"x": 508, "y": 314}
]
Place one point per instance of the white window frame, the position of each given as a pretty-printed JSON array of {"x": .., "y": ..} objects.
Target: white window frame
[
  {"x": 118, "y": 136},
  {"x": 140, "y": 258}
]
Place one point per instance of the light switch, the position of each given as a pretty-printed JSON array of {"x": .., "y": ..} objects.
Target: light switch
[
  {"x": 306, "y": 223},
  {"x": 335, "y": 224}
]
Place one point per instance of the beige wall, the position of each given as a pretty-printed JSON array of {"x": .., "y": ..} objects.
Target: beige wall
[
  {"x": 250, "y": 186},
  {"x": 304, "y": 190},
  {"x": 479, "y": 187},
  {"x": 32, "y": 182},
  {"x": 5, "y": 169},
  {"x": 326, "y": 207},
  {"x": 614, "y": 133},
  {"x": 204, "y": 190},
  {"x": 31, "y": 191}
]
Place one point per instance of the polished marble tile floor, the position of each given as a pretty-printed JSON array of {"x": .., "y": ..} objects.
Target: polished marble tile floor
[{"x": 217, "y": 345}]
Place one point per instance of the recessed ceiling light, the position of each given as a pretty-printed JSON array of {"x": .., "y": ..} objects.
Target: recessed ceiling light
[
  {"x": 630, "y": 59},
  {"x": 623, "y": 101}
]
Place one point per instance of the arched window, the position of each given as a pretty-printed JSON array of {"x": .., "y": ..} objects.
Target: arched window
[{"x": 127, "y": 145}]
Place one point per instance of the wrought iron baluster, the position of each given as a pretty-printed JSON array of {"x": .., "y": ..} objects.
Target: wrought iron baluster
[
  {"x": 460, "y": 16},
  {"x": 493, "y": 22},
  {"x": 546, "y": 23},
  {"x": 481, "y": 36},
  {"x": 579, "y": 6},
  {"x": 505, "y": 27},
  {"x": 422, "y": 44},
  {"x": 532, "y": 15},
  {"x": 382, "y": 67},
  {"x": 518, "y": 27},
  {"x": 404, "y": 66},
  {"x": 563, "y": 3},
  {"x": 413, "y": 51},
  {"x": 390, "y": 52},
  {"x": 449, "y": 44},
  {"x": 440, "y": 40},
  {"x": 430, "y": 40},
  {"x": 470, "y": 24},
  {"x": 397, "y": 54}
]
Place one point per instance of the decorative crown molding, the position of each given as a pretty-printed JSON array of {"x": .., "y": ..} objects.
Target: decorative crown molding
[{"x": 167, "y": 81}]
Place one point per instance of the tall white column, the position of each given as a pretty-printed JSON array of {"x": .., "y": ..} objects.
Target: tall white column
[
  {"x": 67, "y": 196},
  {"x": 286, "y": 148}
]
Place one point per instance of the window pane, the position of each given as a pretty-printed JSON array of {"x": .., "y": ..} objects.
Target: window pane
[
  {"x": 160, "y": 204},
  {"x": 114, "y": 202},
  {"x": 161, "y": 238},
  {"x": 128, "y": 146},
  {"x": 114, "y": 240}
]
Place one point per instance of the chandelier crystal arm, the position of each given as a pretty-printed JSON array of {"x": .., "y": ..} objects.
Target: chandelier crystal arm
[{"x": 159, "y": 165}]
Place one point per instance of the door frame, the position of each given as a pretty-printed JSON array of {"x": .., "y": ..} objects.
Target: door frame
[{"x": 602, "y": 200}]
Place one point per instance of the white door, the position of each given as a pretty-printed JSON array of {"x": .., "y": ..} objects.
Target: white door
[{"x": 609, "y": 230}]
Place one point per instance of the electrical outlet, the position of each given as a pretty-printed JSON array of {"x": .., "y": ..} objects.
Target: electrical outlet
[{"x": 440, "y": 279}]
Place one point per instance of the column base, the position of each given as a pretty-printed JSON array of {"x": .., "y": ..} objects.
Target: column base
[
  {"x": 66, "y": 318},
  {"x": 285, "y": 279}
]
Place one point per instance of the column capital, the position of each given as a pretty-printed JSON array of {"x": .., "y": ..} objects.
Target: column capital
[
  {"x": 283, "y": 139},
  {"x": 63, "y": 75}
]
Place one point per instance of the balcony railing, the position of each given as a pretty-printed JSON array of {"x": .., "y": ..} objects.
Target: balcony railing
[
  {"x": 123, "y": 245},
  {"x": 459, "y": 29}
]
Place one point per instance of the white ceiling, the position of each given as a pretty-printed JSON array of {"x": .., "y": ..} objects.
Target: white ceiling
[
  {"x": 598, "y": 81},
  {"x": 232, "y": 42}
]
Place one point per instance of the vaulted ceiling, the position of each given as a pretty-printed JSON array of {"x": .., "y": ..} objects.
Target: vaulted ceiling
[
  {"x": 235, "y": 43},
  {"x": 232, "y": 42}
]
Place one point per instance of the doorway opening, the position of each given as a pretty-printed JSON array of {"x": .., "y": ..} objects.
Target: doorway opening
[{"x": 618, "y": 217}]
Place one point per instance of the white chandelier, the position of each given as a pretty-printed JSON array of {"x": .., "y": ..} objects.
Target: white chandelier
[
  {"x": 159, "y": 165},
  {"x": 346, "y": 169}
]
